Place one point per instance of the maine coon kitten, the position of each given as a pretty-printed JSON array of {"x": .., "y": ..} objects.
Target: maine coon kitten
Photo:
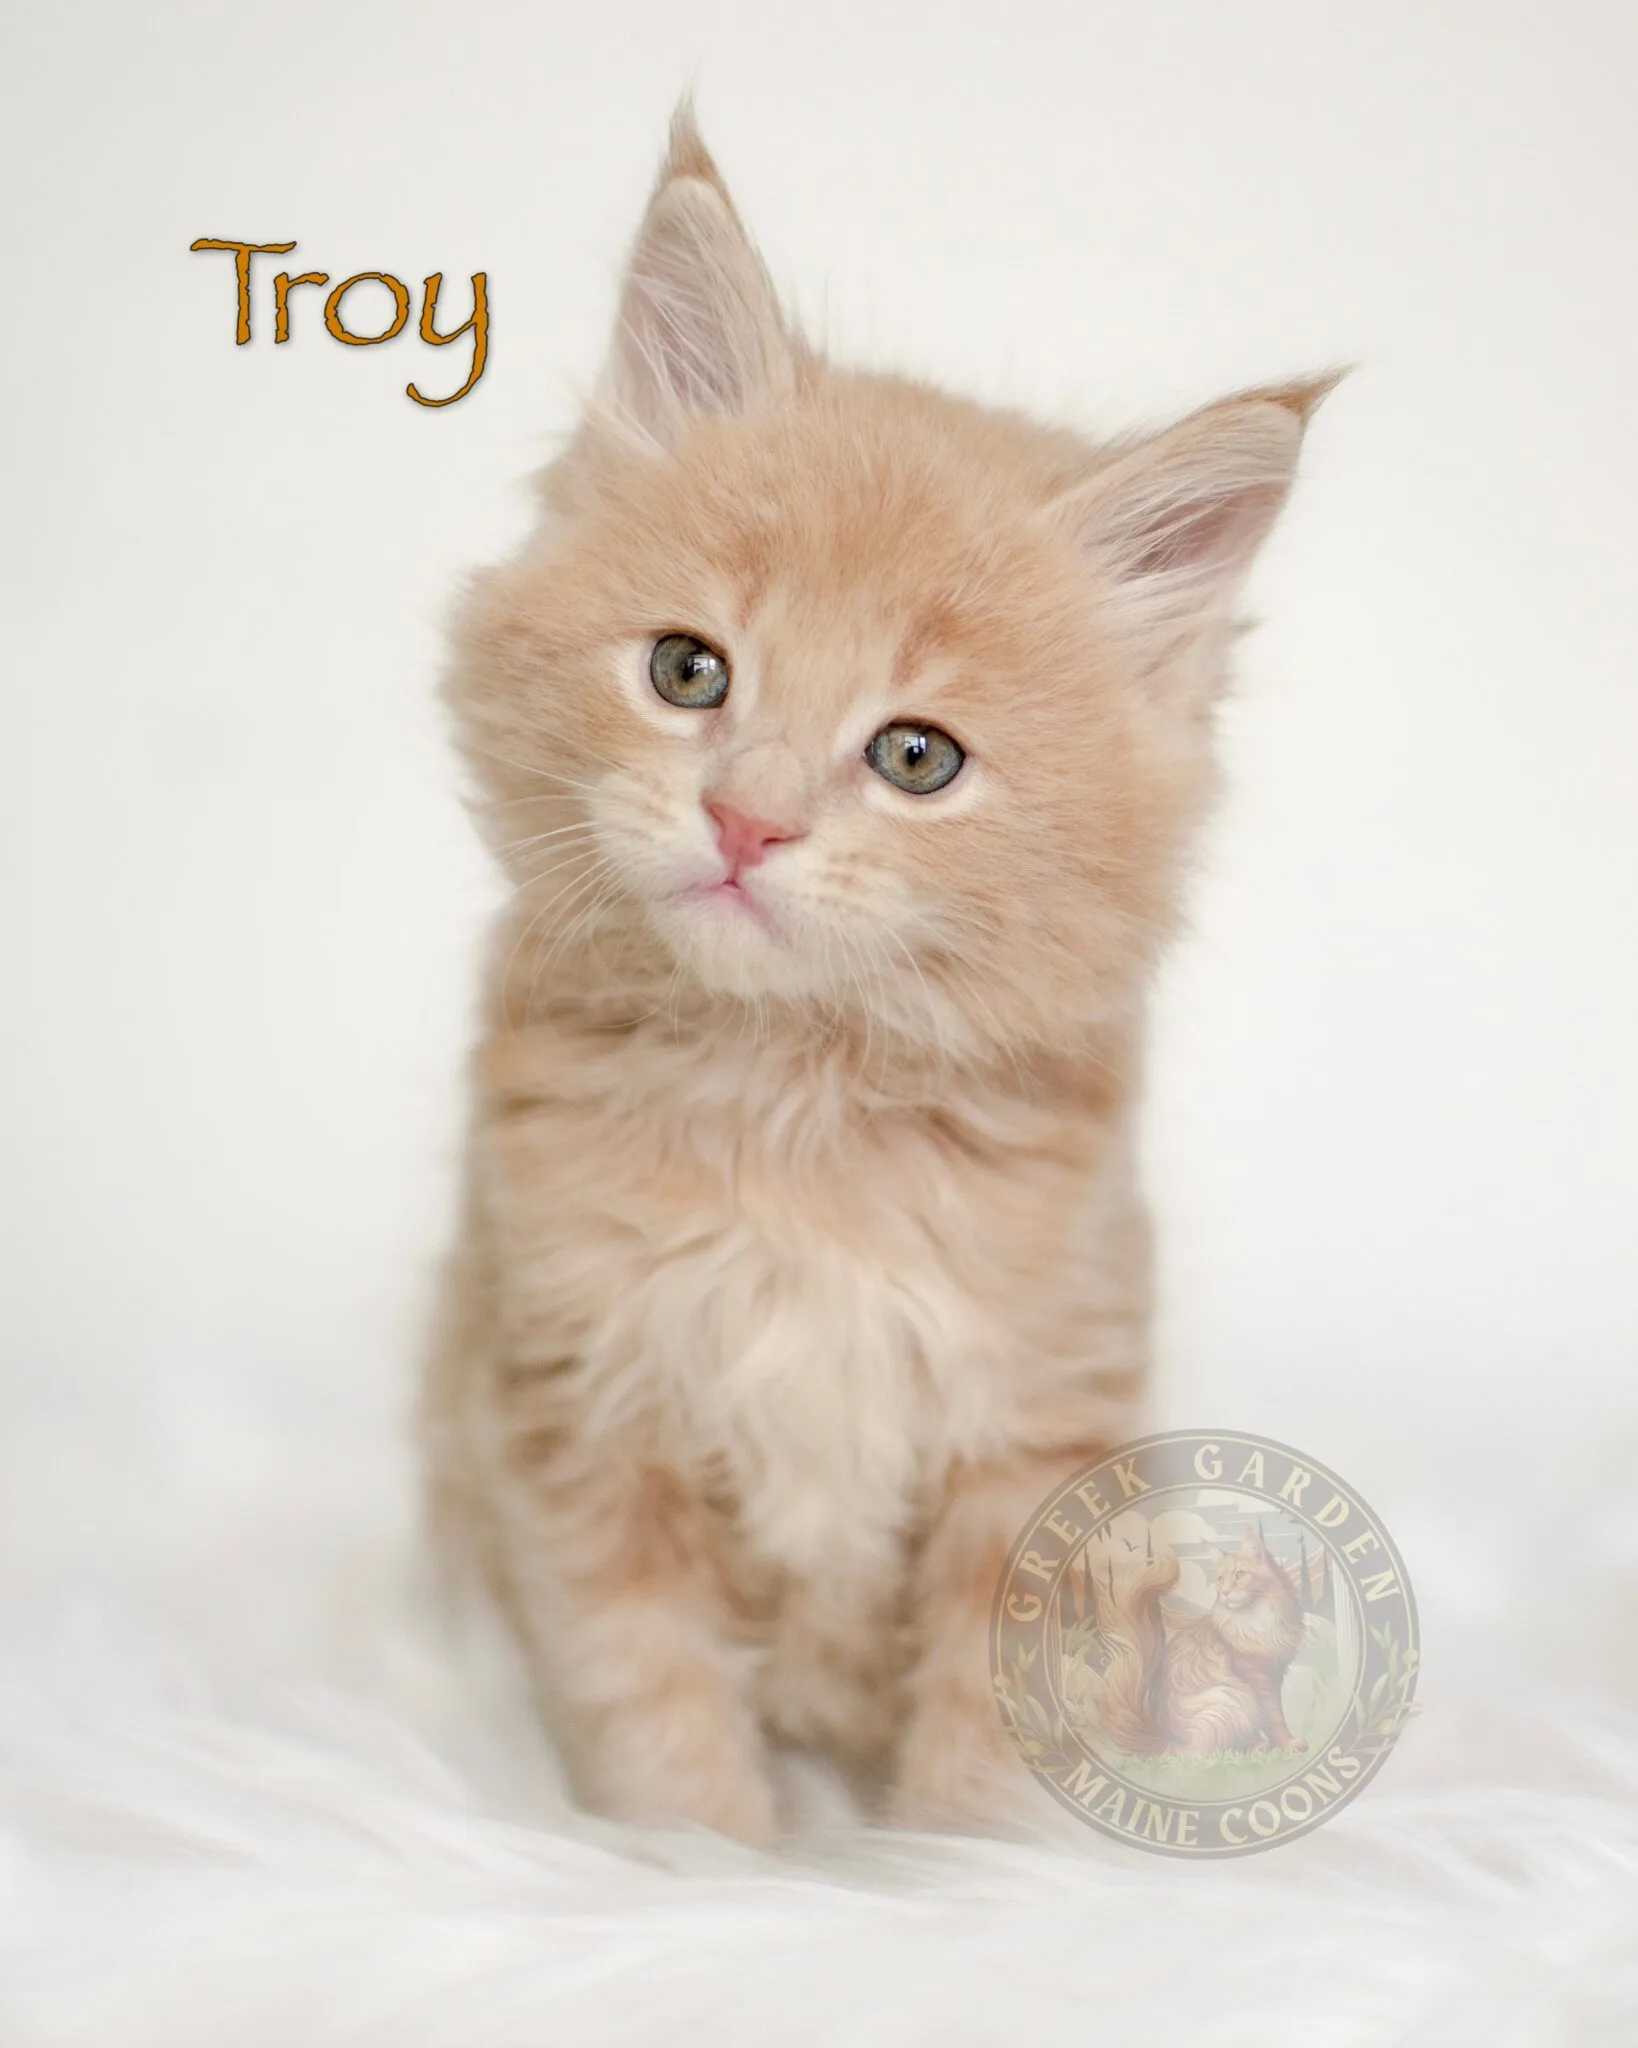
[{"x": 843, "y": 742}]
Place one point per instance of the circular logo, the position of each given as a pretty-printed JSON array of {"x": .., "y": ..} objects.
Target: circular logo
[{"x": 1204, "y": 1643}]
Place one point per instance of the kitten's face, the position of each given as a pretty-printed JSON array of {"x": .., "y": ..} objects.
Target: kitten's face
[
  {"x": 830, "y": 689},
  {"x": 841, "y": 721},
  {"x": 760, "y": 828}
]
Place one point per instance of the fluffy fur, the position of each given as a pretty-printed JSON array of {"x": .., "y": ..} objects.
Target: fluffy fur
[{"x": 802, "y": 1251}]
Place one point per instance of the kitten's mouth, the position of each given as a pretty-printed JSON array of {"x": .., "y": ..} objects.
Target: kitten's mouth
[
  {"x": 738, "y": 936},
  {"x": 731, "y": 894}
]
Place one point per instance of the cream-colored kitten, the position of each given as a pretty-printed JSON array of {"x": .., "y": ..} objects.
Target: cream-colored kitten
[{"x": 843, "y": 742}]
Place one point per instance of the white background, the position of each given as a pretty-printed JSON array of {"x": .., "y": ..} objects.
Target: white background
[{"x": 1394, "y": 1117}]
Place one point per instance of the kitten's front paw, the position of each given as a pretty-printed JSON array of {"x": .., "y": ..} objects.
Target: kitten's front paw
[
  {"x": 718, "y": 1787},
  {"x": 744, "y": 1812},
  {"x": 959, "y": 1770}
]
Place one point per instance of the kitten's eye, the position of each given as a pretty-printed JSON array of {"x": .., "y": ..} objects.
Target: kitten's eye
[
  {"x": 685, "y": 671},
  {"x": 916, "y": 758}
]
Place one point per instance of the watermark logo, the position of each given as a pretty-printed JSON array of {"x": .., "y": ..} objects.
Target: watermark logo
[{"x": 1204, "y": 1644}]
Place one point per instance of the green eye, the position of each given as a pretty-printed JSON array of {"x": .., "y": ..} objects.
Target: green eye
[
  {"x": 685, "y": 671},
  {"x": 915, "y": 758}
]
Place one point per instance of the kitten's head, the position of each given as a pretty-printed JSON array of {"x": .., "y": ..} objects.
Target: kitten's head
[{"x": 832, "y": 690}]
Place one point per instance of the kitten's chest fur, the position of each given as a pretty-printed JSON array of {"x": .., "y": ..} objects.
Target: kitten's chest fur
[{"x": 804, "y": 1298}]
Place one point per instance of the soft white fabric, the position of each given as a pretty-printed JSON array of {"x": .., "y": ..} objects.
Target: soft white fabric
[{"x": 253, "y": 1798}]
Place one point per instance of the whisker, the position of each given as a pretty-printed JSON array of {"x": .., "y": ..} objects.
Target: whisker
[
  {"x": 569, "y": 856},
  {"x": 595, "y": 881},
  {"x": 656, "y": 1008},
  {"x": 864, "y": 1002},
  {"x": 577, "y": 746},
  {"x": 541, "y": 912},
  {"x": 517, "y": 767},
  {"x": 934, "y": 1016},
  {"x": 540, "y": 838}
]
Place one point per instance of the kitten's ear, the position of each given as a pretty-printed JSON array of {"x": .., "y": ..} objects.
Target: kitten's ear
[
  {"x": 699, "y": 328},
  {"x": 1170, "y": 526}
]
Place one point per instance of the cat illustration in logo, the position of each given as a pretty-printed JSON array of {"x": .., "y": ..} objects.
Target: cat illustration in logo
[{"x": 1210, "y": 1683}]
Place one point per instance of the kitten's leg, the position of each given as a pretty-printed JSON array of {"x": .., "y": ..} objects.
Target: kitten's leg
[
  {"x": 830, "y": 1680},
  {"x": 607, "y": 1564},
  {"x": 956, "y": 1762},
  {"x": 634, "y": 1645}
]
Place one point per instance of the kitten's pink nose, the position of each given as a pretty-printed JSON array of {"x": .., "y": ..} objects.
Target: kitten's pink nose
[{"x": 744, "y": 840}]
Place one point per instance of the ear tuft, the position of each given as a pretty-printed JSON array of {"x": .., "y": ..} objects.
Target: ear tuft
[
  {"x": 1304, "y": 397},
  {"x": 686, "y": 155},
  {"x": 699, "y": 329}
]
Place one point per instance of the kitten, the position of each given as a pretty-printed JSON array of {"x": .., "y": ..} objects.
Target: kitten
[
  {"x": 843, "y": 742},
  {"x": 1213, "y": 1682}
]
